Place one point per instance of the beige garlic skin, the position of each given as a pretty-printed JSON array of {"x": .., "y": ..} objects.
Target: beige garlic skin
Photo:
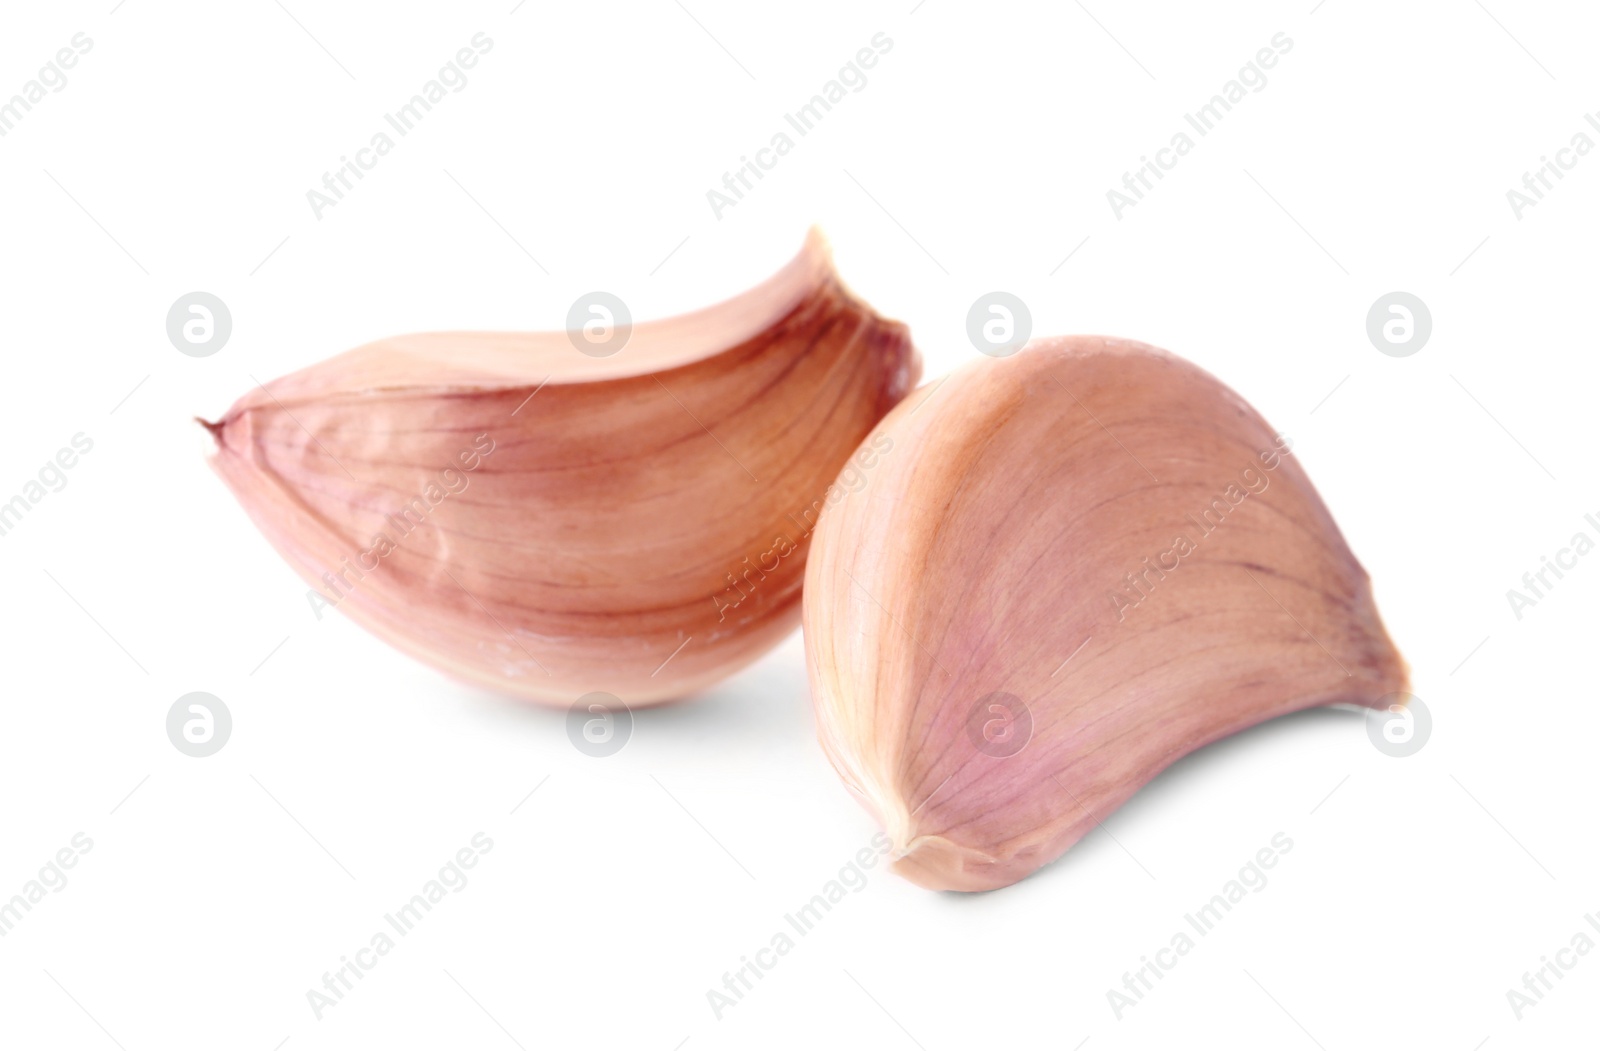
[
  {"x": 1001, "y": 549},
  {"x": 634, "y": 524}
]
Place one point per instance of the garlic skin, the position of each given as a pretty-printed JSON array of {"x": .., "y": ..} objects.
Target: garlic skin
[
  {"x": 635, "y": 524},
  {"x": 994, "y": 664}
]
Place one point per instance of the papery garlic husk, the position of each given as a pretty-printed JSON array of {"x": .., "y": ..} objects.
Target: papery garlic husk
[
  {"x": 994, "y": 664},
  {"x": 635, "y": 524}
]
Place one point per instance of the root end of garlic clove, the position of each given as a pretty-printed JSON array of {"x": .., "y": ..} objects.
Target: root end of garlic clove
[{"x": 937, "y": 863}]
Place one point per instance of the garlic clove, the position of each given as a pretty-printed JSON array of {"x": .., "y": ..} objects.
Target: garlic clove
[
  {"x": 545, "y": 523},
  {"x": 1076, "y": 565}
]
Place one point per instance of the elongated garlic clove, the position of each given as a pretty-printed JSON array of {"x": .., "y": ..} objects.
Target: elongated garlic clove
[
  {"x": 1076, "y": 565},
  {"x": 545, "y": 523}
]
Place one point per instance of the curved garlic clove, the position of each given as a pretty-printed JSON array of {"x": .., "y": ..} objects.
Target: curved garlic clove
[
  {"x": 1077, "y": 565},
  {"x": 545, "y": 523}
]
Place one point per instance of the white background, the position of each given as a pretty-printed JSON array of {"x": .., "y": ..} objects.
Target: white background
[{"x": 977, "y": 157}]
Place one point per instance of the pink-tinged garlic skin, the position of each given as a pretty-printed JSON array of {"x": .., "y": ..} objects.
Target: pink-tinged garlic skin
[
  {"x": 985, "y": 549},
  {"x": 605, "y": 538}
]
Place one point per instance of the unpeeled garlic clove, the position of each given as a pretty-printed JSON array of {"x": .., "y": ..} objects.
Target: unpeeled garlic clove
[
  {"x": 998, "y": 658},
  {"x": 546, "y": 523}
]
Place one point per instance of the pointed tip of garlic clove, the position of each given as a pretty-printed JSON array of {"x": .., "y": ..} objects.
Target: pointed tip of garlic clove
[{"x": 1002, "y": 570}]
